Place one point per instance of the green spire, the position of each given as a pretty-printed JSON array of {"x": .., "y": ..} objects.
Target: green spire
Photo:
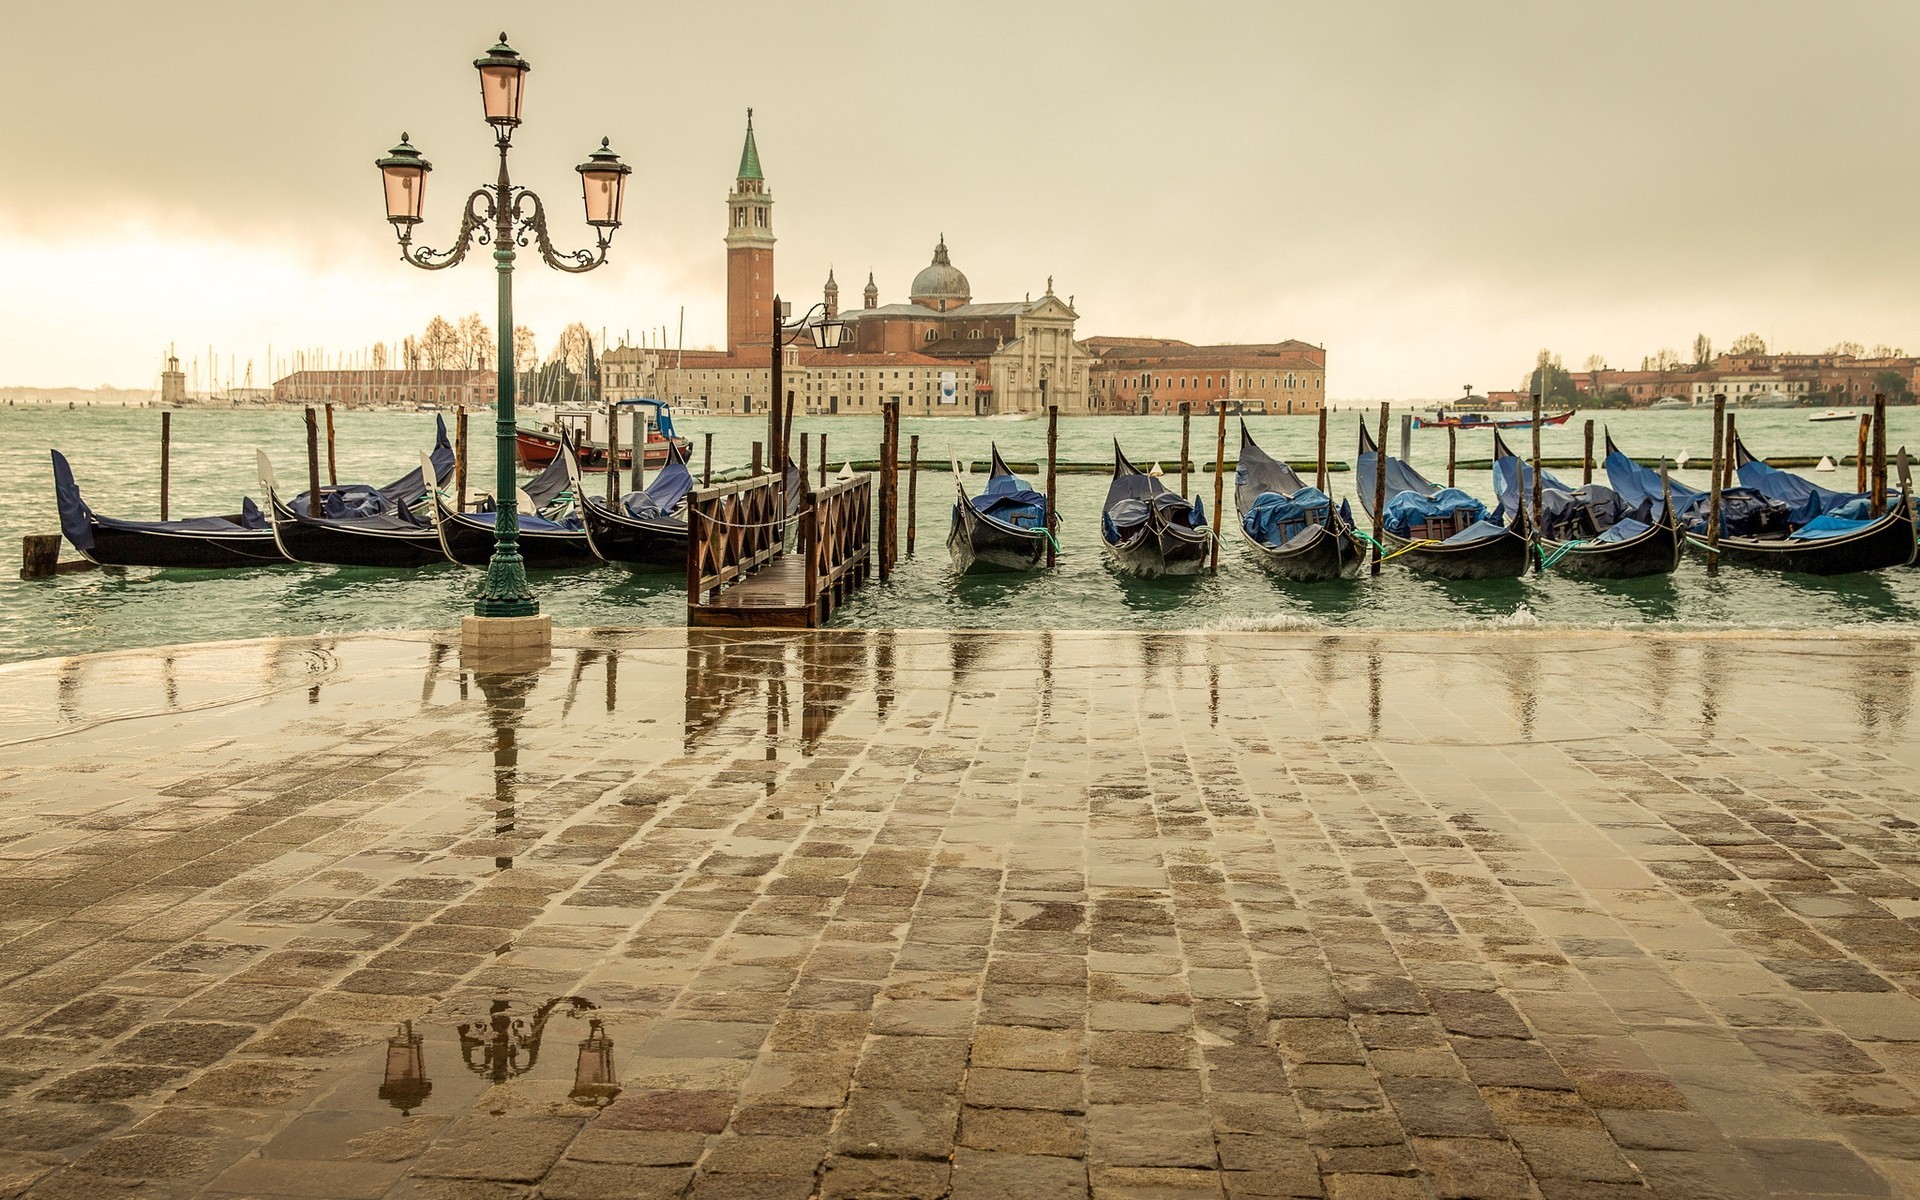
[{"x": 750, "y": 154}]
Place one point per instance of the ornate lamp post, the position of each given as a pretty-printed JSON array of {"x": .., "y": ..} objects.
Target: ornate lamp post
[
  {"x": 504, "y": 216},
  {"x": 826, "y": 335}
]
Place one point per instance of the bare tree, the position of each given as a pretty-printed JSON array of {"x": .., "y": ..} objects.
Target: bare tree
[
  {"x": 1854, "y": 349},
  {"x": 1666, "y": 360},
  {"x": 574, "y": 350},
  {"x": 526, "y": 352},
  {"x": 476, "y": 341},
  {"x": 1702, "y": 349},
  {"x": 410, "y": 352},
  {"x": 1749, "y": 343},
  {"x": 1596, "y": 362},
  {"x": 379, "y": 356},
  {"x": 1882, "y": 350},
  {"x": 440, "y": 345}
]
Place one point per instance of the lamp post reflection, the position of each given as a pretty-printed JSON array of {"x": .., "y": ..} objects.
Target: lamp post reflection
[
  {"x": 506, "y": 699},
  {"x": 405, "y": 1084},
  {"x": 504, "y": 1046},
  {"x": 593, "y": 1077}
]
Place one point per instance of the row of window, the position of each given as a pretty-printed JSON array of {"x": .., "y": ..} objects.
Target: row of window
[{"x": 1148, "y": 381}]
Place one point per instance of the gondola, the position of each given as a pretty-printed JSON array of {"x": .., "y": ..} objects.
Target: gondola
[
  {"x": 1148, "y": 530},
  {"x": 545, "y": 542},
  {"x": 361, "y": 526},
  {"x": 647, "y": 528},
  {"x": 1598, "y": 538},
  {"x": 1005, "y": 528},
  {"x": 1293, "y": 529},
  {"x": 1439, "y": 531},
  {"x": 200, "y": 543},
  {"x": 1758, "y": 530}
]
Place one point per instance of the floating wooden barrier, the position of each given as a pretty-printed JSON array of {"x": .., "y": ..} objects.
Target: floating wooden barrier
[{"x": 1097, "y": 468}]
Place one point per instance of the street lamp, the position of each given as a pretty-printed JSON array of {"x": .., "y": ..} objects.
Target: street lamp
[
  {"x": 826, "y": 334},
  {"x": 503, "y": 216}
]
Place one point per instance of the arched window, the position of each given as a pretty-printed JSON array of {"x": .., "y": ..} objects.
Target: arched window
[{"x": 929, "y": 335}]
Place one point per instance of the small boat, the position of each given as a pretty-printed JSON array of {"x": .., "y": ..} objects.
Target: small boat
[
  {"x": 1480, "y": 420},
  {"x": 547, "y": 540},
  {"x": 1834, "y": 414},
  {"x": 1439, "y": 531},
  {"x": 1292, "y": 528},
  {"x": 1148, "y": 530},
  {"x": 1757, "y": 526},
  {"x": 536, "y": 447},
  {"x": 361, "y": 526},
  {"x": 647, "y": 528},
  {"x": 1587, "y": 530},
  {"x": 201, "y": 543},
  {"x": 1670, "y": 404},
  {"x": 1005, "y": 528}
]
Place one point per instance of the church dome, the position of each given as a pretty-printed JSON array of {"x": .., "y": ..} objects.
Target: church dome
[{"x": 940, "y": 281}]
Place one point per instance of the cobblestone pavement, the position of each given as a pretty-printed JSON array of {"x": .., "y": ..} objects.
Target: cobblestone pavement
[{"x": 972, "y": 915}]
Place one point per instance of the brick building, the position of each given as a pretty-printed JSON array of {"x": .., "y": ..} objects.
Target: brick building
[
  {"x": 367, "y": 389},
  {"x": 1157, "y": 375}
]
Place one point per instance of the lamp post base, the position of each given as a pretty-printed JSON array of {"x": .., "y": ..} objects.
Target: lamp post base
[{"x": 506, "y": 637}]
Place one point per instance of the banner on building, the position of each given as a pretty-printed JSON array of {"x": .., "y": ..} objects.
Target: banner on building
[{"x": 949, "y": 388}]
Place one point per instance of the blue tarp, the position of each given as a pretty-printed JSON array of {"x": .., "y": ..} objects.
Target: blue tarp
[
  {"x": 1275, "y": 519},
  {"x": 1008, "y": 499},
  {"x": 1804, "y": 499},
  {"x": 1828, "y": 525},
  {"x": 1407, "y": 509},
  {"x": 1566, "y": 513},
  {"x": 352, "y": 501},
  {"x": 1744, "y": 512},
  {"x": 1477, "y": 532},
  {"x": 1625, "y": 529},
  {"x": 77, "y": 518},
  {"x": 664, "y": 494}
]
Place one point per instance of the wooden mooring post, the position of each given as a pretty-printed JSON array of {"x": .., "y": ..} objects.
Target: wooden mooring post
[
  {"x": 1713, "y": 488},
  {"x": 913, "y": 486},
  {"x": 1320, "y": 454},
  {"x": 1219, "y": 481},
  {"x": 1053, "y": 449},
  {"x": 823, "y": 460},
  {"x": 1406, "y": 437},
  {"x": 460, "y": 459},
  {"x": 1533, "y": 531},
  {"x": 889, "y": 488},
  {"x": 1877, "y": 482},
  {"x": 40, "y": 558},
  {"x": 1379, "y": 487},
  {"x": 758, "y": 461},
  {"x": 613, "y": 453},
  {"x": 706, "y": 469},
  {"x": 333, "y": 463},
  {"x": 166, "y": 464},
  {"x": 805, "y": 462},
  {"x": 1860, "y": 453},
  {"x": 1586, "y": 463},
  {"x": 1186, "y": 420},
  {"x": 1452, "y": 450},
  {"x": 313, "y": 463}
]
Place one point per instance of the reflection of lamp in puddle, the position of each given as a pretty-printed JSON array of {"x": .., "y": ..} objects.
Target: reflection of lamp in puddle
[
  {"x": 507, "y": 1046},
  {"x": 405, "y": 1085},
  {"x": 593, "y": 1079}
]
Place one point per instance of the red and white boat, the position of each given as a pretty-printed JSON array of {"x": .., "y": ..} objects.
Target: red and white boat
[{"x": 538, "y": 446}]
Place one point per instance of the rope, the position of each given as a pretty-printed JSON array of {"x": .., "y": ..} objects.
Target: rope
[
  {"x": 707, "y": 520},
  {"x": 1550, "y": 559},
  {"x": 1385, "y": 556}
]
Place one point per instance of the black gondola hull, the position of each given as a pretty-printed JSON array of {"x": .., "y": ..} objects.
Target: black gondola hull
[
  {"x": 336, "y": 544},
  {"x": 630, "y": 542},
  {"x": 1504, "y": 557},
  {"x": 980, "y": 544},
  {"x": 1330, "y": 553},
  {"x": 186, "y": 551},
  {"x": 1888, "y": 542},
  {"x": 1655, "y": 552},
  {"x": 1155, "y": 550},
  {"x": 468, "y": 540}
]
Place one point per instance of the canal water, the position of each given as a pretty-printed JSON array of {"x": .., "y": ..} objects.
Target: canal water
[{"x": 115, "y": 455}]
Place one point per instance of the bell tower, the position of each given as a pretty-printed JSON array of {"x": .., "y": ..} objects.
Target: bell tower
[{"x": 749, "y": 252}]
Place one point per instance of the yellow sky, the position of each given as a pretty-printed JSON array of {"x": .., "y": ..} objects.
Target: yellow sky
[{"x": 1433, "y": 191}]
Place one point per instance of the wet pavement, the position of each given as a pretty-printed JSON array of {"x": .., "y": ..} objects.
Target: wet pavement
[{"x": 973, "y": 915}]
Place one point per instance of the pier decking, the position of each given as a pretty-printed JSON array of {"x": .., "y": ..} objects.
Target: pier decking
[{"x": 740, "y": 573}]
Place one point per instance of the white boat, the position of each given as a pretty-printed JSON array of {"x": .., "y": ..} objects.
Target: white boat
[{"x": 1835, "y": 414}]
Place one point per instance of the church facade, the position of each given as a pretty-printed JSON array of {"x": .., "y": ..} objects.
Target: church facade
[{"x": 938, "y": 354}]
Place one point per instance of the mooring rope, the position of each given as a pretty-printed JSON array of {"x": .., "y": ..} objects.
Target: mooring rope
[{"x": 1385, "y": 556}]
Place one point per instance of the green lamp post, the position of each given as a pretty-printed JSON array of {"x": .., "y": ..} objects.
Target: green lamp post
[{"x": 504, "y": 216}]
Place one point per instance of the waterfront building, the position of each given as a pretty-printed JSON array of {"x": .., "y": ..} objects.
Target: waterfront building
[
  {"x": 627, "y": 372},
  {"x": 367, "y": 389},
  {"x": 1156, "y": 375}
]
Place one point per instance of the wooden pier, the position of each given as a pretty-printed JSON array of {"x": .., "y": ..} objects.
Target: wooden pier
[{"x": 739, "y": 572}]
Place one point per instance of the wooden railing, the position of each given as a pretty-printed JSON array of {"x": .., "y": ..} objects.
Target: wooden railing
[
  {"x": 732, "y": 529},
  {"x": 836, "y": 536}
]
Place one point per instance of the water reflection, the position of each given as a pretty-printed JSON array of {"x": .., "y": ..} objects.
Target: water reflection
[
  {"x": 505, "y": 694},
  {"x": 731, "y": 672},
  {"x": 1883, "y": 691},
  {"x": 405, "y": 1084},
  {"x": 505, "y": 1046}
]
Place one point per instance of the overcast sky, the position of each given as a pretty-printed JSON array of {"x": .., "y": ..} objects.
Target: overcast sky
[{"x": 1433, "y": 191}]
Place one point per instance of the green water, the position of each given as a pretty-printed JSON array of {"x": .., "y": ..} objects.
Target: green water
[{"x": 115, "y": 454}]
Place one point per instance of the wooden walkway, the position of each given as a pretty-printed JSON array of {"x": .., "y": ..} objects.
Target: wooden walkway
[{"x": 739, "y": 573}]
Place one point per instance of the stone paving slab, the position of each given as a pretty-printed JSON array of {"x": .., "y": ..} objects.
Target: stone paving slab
[{"x": 932, "y": 914}]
